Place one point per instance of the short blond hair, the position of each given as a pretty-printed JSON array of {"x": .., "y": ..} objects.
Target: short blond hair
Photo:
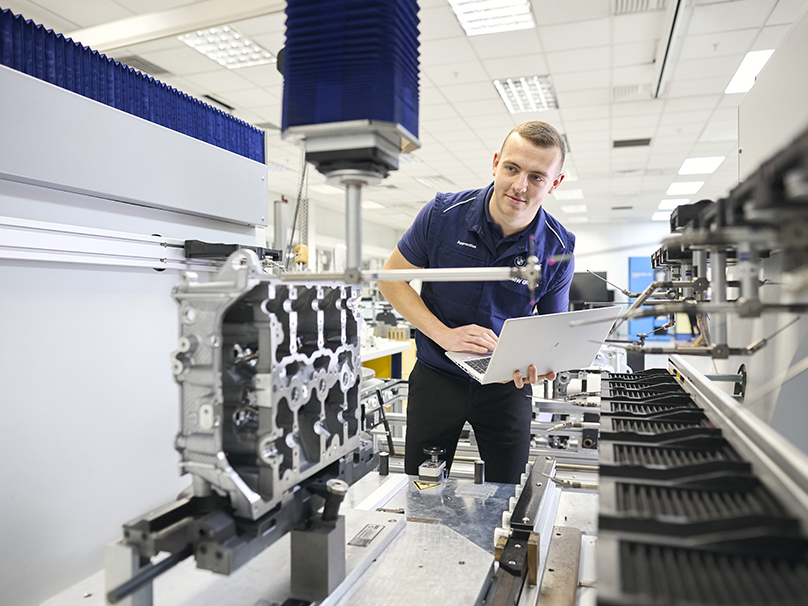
[{"x": 540, "y": 134}]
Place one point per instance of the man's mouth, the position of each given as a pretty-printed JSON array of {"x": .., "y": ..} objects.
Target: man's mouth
[{"x": 515, "y": 199}]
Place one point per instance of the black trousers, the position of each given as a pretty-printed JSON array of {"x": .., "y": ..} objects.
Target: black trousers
[{"x": 437, "y": 407}]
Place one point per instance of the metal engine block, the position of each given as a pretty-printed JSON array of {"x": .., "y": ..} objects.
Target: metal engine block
[{"x": 269, "y": 374}]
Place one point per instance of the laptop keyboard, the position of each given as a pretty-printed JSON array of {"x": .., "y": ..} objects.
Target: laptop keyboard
[{"x": 479, "y": 364}]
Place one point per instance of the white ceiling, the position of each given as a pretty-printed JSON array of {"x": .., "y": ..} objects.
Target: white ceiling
[{"x": 600, "y": 55}]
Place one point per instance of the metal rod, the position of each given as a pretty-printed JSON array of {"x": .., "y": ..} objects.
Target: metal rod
[
  {"x": 147, "y": 574},
  {"x": 461, "y": 274},
  {"x": 353, "y": 224},
  {"x": 748, "y": 271},
  {"x": 718, "y": 294}
]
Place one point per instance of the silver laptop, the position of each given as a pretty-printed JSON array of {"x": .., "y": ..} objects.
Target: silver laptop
[{"x": 552, "y": 342}]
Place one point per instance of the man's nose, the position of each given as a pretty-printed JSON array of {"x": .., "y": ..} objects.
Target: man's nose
[{"x": 520, "y": 183}]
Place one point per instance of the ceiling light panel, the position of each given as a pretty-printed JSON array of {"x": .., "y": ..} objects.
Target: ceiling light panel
[
  {"x": 227, "y": 46},
  {"x": 478, "y": 17},
  {"x": 661, "y": 216},
  {"x": 574, "y": 208},
  {"x": 684, "y": 188},
  {"x": 371, "y": 205},
  {"x": 568, "y": 194},
  {"x": 701, "y": 166},
  {"x": 527, "y": 94},
  {"x": 672, "y": 203},
  {"x": 750, "y": 67},
  {"x": 577, "y": 219}
]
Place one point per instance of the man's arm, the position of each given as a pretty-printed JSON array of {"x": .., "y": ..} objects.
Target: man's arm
[{"x": 408, "y": 303}]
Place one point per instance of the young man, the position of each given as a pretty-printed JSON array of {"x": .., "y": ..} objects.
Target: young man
[{"x": 481, "y": 228}]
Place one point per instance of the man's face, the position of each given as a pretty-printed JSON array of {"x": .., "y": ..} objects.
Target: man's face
[{"x": 523, "y": 175}]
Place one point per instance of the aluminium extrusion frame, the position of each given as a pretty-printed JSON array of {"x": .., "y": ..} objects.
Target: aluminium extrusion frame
[{"x": 780, "y": 465}]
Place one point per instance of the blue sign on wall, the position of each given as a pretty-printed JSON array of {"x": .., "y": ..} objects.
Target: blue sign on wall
[{"x": 640, "y": 275}]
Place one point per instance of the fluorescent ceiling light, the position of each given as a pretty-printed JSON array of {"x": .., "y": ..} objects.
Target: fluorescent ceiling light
[
  {"x": 670, "y": 204},
  {"x": 750, "y": 67},
  {"x": 569, "y": 194},
  {"x": 661, "y": 216},
  {"x": 371, "y": 205},
  {"x": 701, "y": 166},
  {"x": 574, "y": 208},
  {"x": 227, "y": 46},
  {"x": 527, "y": 94},
  {"x": 577, "y": 219},
  {"x": 409, "y": 159},
  {"x": 684, "y": 188},
  {"x": 491, "y": 16}
]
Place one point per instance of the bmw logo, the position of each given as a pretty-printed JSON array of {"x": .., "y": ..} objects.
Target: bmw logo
[{"x": 519, "y": 261}]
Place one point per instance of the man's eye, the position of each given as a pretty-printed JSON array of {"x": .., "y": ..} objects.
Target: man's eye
[{"x": 538, "y": 178}]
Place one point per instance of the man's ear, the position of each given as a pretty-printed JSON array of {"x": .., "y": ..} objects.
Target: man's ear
[
  {"x": 496, "y": 163},
  {"x": 556, "y": 182}
]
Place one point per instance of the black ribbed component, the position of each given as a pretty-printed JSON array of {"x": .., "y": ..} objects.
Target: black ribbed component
[
  {"x": 663, "y": 387},
  {"x": 647, "y": 396},
  {"x": 685, "y": 506},
  {"x": 669, "y": 458},
  {"x": 654, "y": 427},
  {"x": 654, "y": 462},
  {"x": 655, "y": 574},
  {"x": 646, "y": 410}
]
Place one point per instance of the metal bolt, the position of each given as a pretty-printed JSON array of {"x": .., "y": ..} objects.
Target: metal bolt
[
  {"x": 511, "y": 563},
  {"x": 526, "y": 520}
]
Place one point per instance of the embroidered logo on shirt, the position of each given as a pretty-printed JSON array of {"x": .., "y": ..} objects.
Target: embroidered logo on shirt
[
  {"x": 519, "y": 261},
  {"x": 521, "y": 281},
  {"x": 466, "y": 244}
]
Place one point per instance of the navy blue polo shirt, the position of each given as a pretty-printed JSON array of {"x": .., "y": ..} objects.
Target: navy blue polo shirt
[{"x": 456, "y": 230}]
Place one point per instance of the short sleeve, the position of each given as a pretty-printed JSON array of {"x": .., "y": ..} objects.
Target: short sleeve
[{"x": 414, "y": 243}]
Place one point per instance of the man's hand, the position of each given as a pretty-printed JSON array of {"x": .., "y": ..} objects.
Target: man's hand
[
  {"x": 470, "y": 338},
  {"x": 533, "y": 376}
]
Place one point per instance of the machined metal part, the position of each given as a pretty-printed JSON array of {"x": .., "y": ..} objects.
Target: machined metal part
[
  {"x": 269, "y": 378},
  {"x": 560, "y": 580}
]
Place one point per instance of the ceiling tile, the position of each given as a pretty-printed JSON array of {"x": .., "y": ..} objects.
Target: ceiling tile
[
  {"x": 637, "y": 108},
  {"x": 181, "y": 60},
  {"x": 516, "y": 67},
  {"x": 786, "y": 12},
  {"x": 441, "y": 52},
  {"x": 718, "y": 44},
  {"x": 87, "y": 12},
  {"x": 770, "y": 37},
  {"x": 575, "y": 127},
  {"x": 635, "y": 53},
  {"x": 438, "y": 22},
  {"x": 695, "y": 88},
  {"x": 481, "y": 108},
  {"x": 581, "y": 34},
  {"x": 251, "y": 97},
  {"x": 647, "y": 121},
  {"x": 443, "y": 111},
  {"x": 263, "y": 75},
  {"x": 597, "y": 57},
  {"x": 639, "y": 27},
  {"x": 720, "y": 130},
  {"x": 579, "y": 113},
  {"x": 506, "y": 44},
  {"x": 581, "y": 80},
  {"x": 547, "y": 12},
  {"x": 457, "y": 93},
  {"x": 457, "y": 73},
  {"x": 728, "y": 16},
  {"x": 265, "y": 24},
  {"x": 694, "y": 116},
  {"x": 584, "y": 97},
  {"x": 712, "y": 67},
  {"x": 692, "y": 103},
  {"x": 220, "y": 81},
  {"x": 635, "y": 74}
]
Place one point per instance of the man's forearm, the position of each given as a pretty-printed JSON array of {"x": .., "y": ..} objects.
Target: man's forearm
[{"x": 409, "y": 304}]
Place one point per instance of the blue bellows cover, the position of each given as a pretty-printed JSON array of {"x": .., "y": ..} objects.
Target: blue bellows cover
[
  {"x": 33, "y": 50},
  {"x": 351, "y": 60}
]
